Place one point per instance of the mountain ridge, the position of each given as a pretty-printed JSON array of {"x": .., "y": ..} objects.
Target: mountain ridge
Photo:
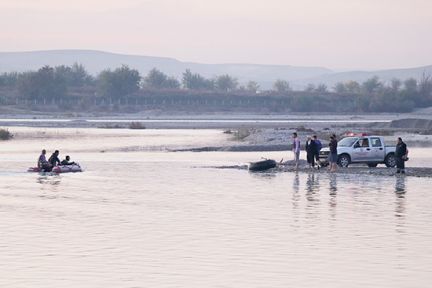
[{"x": 96, "y": 61}]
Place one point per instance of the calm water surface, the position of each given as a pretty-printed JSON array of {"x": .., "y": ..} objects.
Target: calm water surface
[{"x": 149, "y": 218}]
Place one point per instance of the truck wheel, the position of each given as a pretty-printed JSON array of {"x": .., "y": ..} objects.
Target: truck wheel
[
  {"x": 372, "y": 165},
  {"x": 390, "y": 160},
  {"x": 344, "y": 160}
]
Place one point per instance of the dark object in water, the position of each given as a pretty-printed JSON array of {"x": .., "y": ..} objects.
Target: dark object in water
[{"x": 262, "y": 165}]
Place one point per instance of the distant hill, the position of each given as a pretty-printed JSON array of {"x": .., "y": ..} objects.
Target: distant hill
[{"x": 96, "y": 61}]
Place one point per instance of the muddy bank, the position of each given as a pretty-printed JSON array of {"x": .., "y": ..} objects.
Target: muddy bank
[
  {"x": 421, "y": 172},
  {"x": 236, "y": 148}
]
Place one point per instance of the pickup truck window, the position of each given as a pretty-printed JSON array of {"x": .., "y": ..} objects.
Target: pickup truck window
[
  {"x": 347, "y": 142},
  {"x": 376, "y": 142},
  {"x": 364, "y": 142}
]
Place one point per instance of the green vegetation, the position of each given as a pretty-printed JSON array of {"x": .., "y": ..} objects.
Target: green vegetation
[
  {"x": 71, "y": 88},
  {"x": 281, "y": 86}
]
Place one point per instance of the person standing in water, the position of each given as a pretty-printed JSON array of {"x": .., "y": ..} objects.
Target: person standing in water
[
  {"x": 296, "y": 149},
  {"x": 401, "y": 155},
  {"x": 311, "y": 148},
  {"x": 318, "y": 149},
  {"x": 333, "y": 156}
]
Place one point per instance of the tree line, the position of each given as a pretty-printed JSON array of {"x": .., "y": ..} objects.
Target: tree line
[{"x": 63, "y": 82}]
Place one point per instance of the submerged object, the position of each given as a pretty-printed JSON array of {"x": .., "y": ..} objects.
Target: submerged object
[
  {"x": 262, "y": 165},
  {"x": 59, "y": 169}
]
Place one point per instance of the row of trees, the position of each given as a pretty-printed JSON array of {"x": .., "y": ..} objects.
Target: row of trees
[{"x": 62, "y": 81}]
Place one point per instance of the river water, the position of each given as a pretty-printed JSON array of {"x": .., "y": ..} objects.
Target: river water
[{"x": 142, "y": 217}]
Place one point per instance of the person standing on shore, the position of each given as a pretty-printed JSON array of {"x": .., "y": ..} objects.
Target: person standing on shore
[
  {"x": 296, "y": 149},
  {"x": 311, "y": 148},
  {"x": 401, "y": 155},
  {"x": 318, "y": 149},
  {"x": 333, "y": 156}
]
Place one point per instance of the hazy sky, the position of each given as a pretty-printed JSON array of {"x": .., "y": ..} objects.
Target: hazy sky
[{"x": 347, "y": 34}]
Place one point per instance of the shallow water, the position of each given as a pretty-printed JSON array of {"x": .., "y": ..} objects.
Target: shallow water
[{"x": 157, "y": 219}]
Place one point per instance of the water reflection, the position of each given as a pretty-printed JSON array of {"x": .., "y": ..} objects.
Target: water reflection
[
  {"x": 400, "y": 223},
  {"x": 400, "y": 191},
  {"x": 263, "y": 174},
  {"x": 312, "y": 187},
  {"x": 333, "y": 184},
  {"x": 332, "y": 192},
  {"x": 296, "y": 183},
  {"x": 296, "y": 199},
  {"x": 49, "y": 179},
  {"x": 400, "y": 187}
]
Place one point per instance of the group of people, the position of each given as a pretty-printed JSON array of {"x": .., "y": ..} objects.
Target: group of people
[
  {"x": 313, "y": 147},
  {"x": 47, "y": 165}
]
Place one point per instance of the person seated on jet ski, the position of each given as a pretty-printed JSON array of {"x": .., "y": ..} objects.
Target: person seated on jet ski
[
  {"x": 43, "y": 164},
  {"x": 54, "y": 160},
  {"x": 66, "y": 161}
]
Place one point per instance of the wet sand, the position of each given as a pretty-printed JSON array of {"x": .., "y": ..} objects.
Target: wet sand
[{"x": 422, "y": 172}]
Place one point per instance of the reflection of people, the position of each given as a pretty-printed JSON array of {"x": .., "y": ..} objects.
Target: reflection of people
[
  {"x": 312, "y": 186},
  {"x": 42, "y": 163},
  {"x": 310, "y": 183},
  {"x": 401, "y": 155},
  {"x": 296, "y": 149},
  {"x": 66, "y": 161},
  {"x": 400, "y": 187},
  {"x": 333, "y": 184},
  {"x": 332, "y": 192},
  {"x": 296, "y": 195},
  {"x": 333, "y": 156},
  {"x": 400, "y": 190},
  {"x": 296, "y": 183}
]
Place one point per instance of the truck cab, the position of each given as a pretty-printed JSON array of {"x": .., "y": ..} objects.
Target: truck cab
[{"x": 370, "y": 150}]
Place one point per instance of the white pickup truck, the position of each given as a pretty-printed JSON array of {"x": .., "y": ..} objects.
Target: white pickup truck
[{"x": 370, "y": 150}]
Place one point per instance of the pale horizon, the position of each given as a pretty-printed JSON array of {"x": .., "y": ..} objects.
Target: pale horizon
[{"x": 335, "y": 34}]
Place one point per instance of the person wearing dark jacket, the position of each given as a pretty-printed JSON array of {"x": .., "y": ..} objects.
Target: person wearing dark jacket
[
  {"x": 54, "y": 160},
  {"x": 333, "y": 156},
  {"x": 311, "y": 150},
  {"x": 66, "y": 161},
  {"x": 401, "y": 155},
  {"x": 318, "y": 149}
]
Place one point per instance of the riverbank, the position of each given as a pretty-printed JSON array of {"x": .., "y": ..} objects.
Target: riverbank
[{"x": 288, "y": 167}]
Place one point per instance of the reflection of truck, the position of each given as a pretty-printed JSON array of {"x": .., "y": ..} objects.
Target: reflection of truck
[{"x": 370, "y": 150}]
